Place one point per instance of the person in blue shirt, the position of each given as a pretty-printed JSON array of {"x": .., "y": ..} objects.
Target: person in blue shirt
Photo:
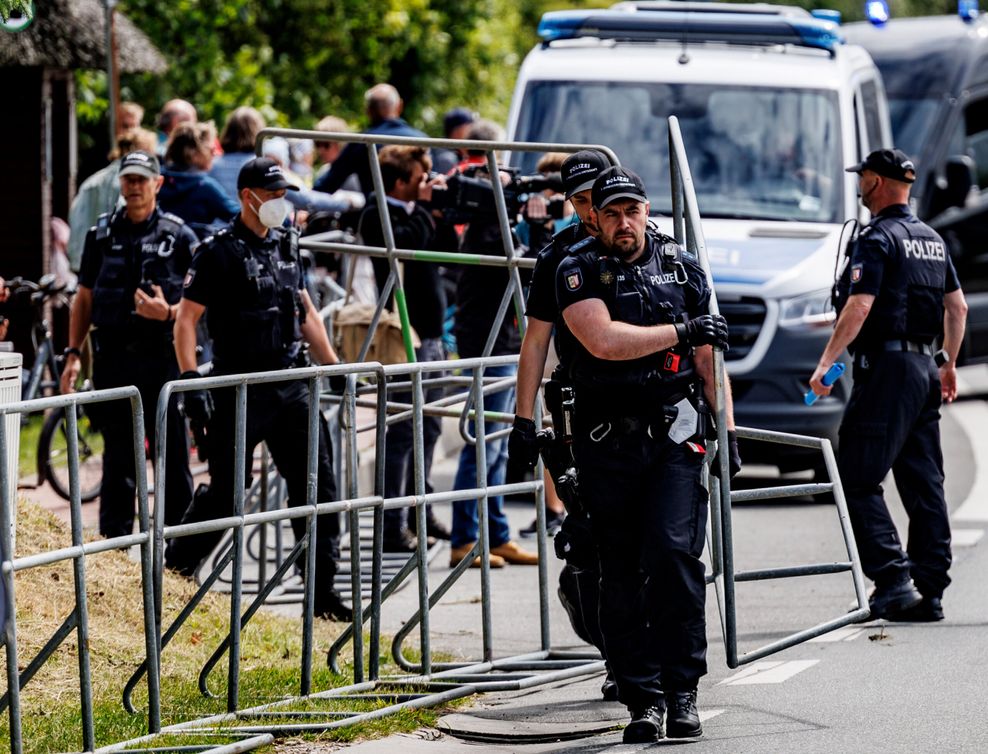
[
  {"x": 384, "y": 106},
  {"x": 237, "y": 140}
]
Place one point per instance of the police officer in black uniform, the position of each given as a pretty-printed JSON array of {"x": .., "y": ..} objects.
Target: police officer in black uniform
[
  {"x": 247, "y": 279},
  {"x": 897, "y": 295},
  {"x": 130, "y": 282},
  {"x": 643, "y": 367}
]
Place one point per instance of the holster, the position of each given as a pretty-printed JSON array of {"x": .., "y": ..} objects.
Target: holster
[{"x": 556, "y": 448}]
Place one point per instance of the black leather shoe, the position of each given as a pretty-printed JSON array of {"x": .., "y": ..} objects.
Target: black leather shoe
[
  {"x": 930, "y": 610},
  {"x": 682, "y": 718},
  {"x": 645, "y": 726},
  {"x": 331, "y": 607},
  {"x": 434, "y": 528},
  {"x": 403, "y": 542},
  {"x": 886, "y": 601}
]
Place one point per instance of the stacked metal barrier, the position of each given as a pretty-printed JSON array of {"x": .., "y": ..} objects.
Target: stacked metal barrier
[{"x": 426, "y": 682}]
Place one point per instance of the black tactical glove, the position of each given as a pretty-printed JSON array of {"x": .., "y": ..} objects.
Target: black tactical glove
[
  {"x": 523, "y": 445},
  {"x": 197, "y": 405},
  {"x": 733, "y": 458},
  {"x": 708, "y": 329}
]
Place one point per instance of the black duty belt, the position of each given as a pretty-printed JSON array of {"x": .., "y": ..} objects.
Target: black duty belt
[{"x": 906, "y": 346}]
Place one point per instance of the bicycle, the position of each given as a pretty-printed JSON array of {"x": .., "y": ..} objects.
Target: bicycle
[{"x": 52, "y": 453}]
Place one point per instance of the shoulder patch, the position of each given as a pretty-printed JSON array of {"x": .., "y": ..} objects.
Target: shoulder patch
[
  {"x": 865, "y": 231},
  {"x": 189, "y": 277},
  {"x": 574, "y": 280},
  {"x": 856, "y": 272}
]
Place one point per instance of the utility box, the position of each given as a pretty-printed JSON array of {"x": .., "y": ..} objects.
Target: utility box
[{"x": 10, "y": 392}]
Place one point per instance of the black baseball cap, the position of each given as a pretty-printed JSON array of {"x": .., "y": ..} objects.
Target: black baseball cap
[
  {"x": 889, "y": 163},
  {"x": 458, "y": 116},
  {"x": 581, "y": 169},
  {"x": 617, "y": 183},
  {"x": 140, "y": 163},
  {"x": 263, "y": 173}
]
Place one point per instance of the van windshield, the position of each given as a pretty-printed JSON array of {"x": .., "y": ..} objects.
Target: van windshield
[
  {"x": 912, "y": 122},
  {"x": 770, "y": 154}
]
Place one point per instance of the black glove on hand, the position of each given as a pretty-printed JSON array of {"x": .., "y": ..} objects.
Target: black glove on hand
[
  {"x": 708, "y": 329},
  {"x": 337, "y": 384},
  {"x": 733, "y": 458},
  {"x": 523, "y": 444},
  {"x": 197, "y": 405}
]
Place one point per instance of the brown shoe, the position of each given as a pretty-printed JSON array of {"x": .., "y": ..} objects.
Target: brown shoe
[
  {"x": 457, "y": 554},
  {"x": 512, "y": 553}
]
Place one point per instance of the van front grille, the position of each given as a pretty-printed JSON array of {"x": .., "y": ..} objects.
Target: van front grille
[{"x": 745, "y": 317}]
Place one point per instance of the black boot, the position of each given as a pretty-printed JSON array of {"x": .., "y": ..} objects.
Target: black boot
[
  {"x": 330, "y": 606},
  {"x": 683, "y": 719},
  {"x": 646, "y": 725},
  {"x": 609, "y": 689}
]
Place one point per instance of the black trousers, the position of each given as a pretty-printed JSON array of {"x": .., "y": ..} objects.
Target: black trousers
[
  {"x": 277, "y": 414},
  {"x": 648, "y": 511},
  {"x": 892, "y": 423},
  {"x": 148, "y": 370}
]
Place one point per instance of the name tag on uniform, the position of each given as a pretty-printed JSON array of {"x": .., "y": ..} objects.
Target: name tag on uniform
[{"x": 684, "y": 427}]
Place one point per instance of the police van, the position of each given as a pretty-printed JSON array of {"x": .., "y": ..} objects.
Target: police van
[
  {"x": 935, "y": 71},
  {"x": 772, "y": 105}
]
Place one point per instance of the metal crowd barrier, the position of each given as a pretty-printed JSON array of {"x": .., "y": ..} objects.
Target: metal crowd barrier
[{"x": 688, "y": 230}]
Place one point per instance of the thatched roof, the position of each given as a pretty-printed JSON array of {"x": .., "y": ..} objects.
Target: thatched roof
[{"x": 71, "y": 34}]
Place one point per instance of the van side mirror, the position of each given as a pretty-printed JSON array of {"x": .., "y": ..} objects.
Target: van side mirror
[{"x": 958, "y": 179}]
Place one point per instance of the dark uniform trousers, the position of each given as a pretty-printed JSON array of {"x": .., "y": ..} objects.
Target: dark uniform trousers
[
  {"x": 892, "y": 422},
  {"x": 148, "y": 366},
  {"x": 648, "y": 510},
  {"x": 277, "y": 414}
]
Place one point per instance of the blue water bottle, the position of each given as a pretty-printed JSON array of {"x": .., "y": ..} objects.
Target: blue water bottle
[{"x": 833, "y": 374}]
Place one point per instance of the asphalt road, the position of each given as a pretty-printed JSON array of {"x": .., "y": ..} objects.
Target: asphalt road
[{"x": 877, "y": 687}]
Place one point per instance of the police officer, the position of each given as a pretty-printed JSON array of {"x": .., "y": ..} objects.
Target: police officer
[
  {"x": 247, "y": 279},
  {"x": 130, "y": 282},
  {"x": 578, "y": 579},
  {"x": 897, "y": 294},
  {"x": 638, "y": 309}
]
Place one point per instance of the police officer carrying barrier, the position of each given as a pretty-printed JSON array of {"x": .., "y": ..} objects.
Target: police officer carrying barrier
[
  {"x": 641, "y": 373},
  {"x": 130, "y": 283},
  {"x": 247, "y": 279},
  {"x": 578, "y": 579},
  {"x": 897, "y": 294}
]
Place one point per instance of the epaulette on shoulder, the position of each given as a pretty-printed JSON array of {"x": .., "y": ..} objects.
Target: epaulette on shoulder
[
  {"x": 172, "y": 218},
  {"x": 581, "y": 246}
]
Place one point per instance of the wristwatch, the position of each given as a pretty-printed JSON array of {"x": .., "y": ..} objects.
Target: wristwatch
[
  {"x": 71, "y": 352},
  {"x": 941, "y": 357}
]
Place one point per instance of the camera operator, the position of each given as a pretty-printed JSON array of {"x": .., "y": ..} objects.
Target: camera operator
[
  {"x": 130, "y": 282},
  {"x": 405, "y": 171},
  {"x": 479, "y": 292}
]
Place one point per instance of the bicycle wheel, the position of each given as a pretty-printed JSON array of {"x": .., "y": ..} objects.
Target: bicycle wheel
[{"x": 53, "y": 455}]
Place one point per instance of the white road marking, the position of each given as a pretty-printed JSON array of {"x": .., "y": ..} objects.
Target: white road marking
[
  {"x": 706, "y": 714},
  {"x": 848, "y": 633},
  {"x": 965, "y": 537},
  {"x": 973, "y": 418},
  {"x": 768, "y": 672}
]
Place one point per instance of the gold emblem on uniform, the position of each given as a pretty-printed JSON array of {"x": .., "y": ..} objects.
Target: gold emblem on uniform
[{"x": 607, "y": 277}]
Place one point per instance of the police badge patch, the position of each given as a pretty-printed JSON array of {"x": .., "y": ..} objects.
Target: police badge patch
[
  {"x": 855, "y": 273},
  {"x": 189, "y": 277},
  {"x": 574, "y": 280}
]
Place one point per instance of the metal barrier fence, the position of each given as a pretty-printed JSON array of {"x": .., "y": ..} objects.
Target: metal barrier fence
[
  {"x": 426, "y": 682},
  {"x": 688, "y": 230}
]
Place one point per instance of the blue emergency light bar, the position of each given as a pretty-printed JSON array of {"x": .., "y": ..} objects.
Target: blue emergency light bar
[{"x": 733, "y": 28}]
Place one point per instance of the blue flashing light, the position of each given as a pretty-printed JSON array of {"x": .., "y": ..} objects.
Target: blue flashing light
[
  {"x": 728, "y": 27},
  {"x": 877, "y": 11},
  {"x": 967, "y": 10},
  {"x": 825, "y": 14}
]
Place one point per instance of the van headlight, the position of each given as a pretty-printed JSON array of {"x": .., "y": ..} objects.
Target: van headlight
[{"x": 809, "y": 310}]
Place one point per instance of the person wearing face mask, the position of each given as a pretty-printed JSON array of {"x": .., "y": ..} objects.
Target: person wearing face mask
[
  {"x": 897, "y": 296},
  {"x": 130, "y": 283},
  {"x": 642, "y": 363},
  {"x": 247, "y": 281}
]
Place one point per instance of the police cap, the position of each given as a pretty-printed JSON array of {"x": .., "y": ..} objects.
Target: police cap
[
  {"x": 581, "y": 169},
  {"x": 263, "y": 173},
  {"x": 617, "y": 183},
  {"x": 140, "y": 163},
  {"x": 889, "y": 163}
]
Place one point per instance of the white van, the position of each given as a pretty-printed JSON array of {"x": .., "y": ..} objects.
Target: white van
[{"x": 772, "y": 105}]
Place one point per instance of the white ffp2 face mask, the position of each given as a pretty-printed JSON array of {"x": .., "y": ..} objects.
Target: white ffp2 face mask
[{"x": 273, "y": 212}]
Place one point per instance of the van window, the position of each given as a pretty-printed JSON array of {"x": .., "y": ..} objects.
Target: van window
[
  {"x": 976, "y": 142},
  {"x": 872, "y": 115},
  {"x": 770, "y": 154}
]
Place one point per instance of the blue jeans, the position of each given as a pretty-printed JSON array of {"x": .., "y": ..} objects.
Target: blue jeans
[{"x": 465, "y": 517}]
